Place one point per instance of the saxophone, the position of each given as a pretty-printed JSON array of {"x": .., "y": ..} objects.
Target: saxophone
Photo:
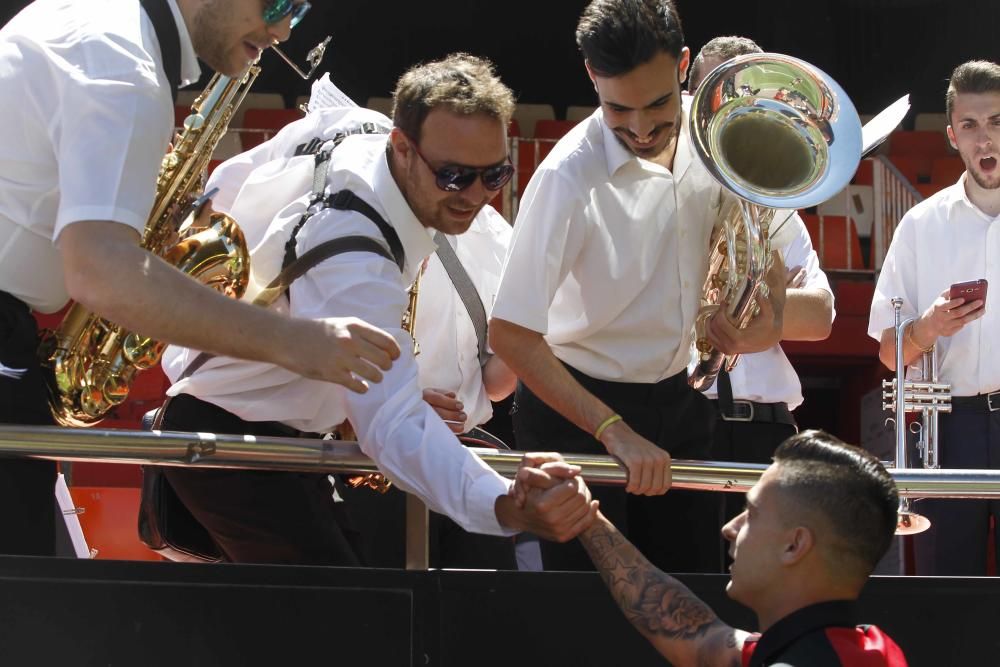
[
  {"x": 779, "y": 134},
  {"x": 92, "y": 362}
]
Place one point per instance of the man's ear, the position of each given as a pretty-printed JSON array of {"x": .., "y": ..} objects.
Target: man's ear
[
  {"x": 800, "y": 542},
  {"x": 683, "y": 63},
  {"x": 951, "y": 137},
  {"x": 400, "y": 144}
]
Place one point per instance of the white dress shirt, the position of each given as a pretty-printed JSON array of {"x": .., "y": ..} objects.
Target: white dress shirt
[
  {"x": 944, "y": 240},
  {"x": 87, "y": 117},
  {"x": 395, "y": 427},
  {"x": 448, "y": 358},
  {"x": 449, "y": 347},
  {"x": 768, "y": 376},
  {"x": 609, "y": 255}
]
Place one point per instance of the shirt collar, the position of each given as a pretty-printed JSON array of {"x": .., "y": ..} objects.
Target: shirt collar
[
  {"x": 190, "y": 69},
  {"x": 961, "y": 196},
  {"x": 618, "y": 156},
  {"x": 417, "y": 240},
  {"x": 835, "y": 613}
]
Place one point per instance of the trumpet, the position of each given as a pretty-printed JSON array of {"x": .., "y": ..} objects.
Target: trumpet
[{"x": 927, "y": 396}]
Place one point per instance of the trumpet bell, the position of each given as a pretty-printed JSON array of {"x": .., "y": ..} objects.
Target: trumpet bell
[{"x": 911, "y": 523}]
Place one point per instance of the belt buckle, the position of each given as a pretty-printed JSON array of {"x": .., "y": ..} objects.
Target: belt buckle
[
  {"x": 742, "y": 412},
  {"x": 993, "y": 407}
]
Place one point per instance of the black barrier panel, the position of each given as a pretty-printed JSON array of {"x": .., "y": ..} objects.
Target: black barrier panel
[{"x": 122, "y": 614}]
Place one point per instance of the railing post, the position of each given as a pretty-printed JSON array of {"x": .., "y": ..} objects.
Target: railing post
[{"x": 417, "y": 527}]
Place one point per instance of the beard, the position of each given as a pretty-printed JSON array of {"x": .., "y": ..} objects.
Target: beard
[
  {"x": 669, "y": 136},
  {"x": 986, "y": 182}
]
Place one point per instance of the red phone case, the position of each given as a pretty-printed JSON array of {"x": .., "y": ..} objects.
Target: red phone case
[{"x": 972, "y": 290}]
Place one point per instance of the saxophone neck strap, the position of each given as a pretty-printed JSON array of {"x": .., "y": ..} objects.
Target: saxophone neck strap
[
  {"x": 162, "y": 19},
  {"x": 466, "y": 291}
]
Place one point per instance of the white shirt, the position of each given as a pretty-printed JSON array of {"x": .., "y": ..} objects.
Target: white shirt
[
  {"x": 87, "y": 117},
  {"x": 944, "y": 240},
  {"x": 395, "y": 427},
  {"x": 609, "y": 255},
  {"x": 768, "y": 376},
  {"x": 449, "y": 348}
]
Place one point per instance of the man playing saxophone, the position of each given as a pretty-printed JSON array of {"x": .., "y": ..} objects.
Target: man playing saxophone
[
  {"x": 946, "y": 239},
  {"x": 604, "y": 278},
  {"x": 443, "y": 160},
  {"x": 86, "y": 96}
]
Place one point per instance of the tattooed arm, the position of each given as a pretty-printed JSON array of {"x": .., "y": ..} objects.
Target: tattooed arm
[{"x": 679, "y": 625}]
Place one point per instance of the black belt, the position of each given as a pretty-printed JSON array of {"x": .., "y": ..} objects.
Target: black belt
[
  {"x": 979, "y": 403},
  {"x": 751, "y": 411}
]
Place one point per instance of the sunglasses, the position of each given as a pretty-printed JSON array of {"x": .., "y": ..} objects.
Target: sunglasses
[
  {"x": 456, "y": 177},
  {"x": 276, "y": 10}
]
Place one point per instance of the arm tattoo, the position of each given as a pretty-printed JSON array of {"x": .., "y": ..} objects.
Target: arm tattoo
[{"x": 658, "y": 605}]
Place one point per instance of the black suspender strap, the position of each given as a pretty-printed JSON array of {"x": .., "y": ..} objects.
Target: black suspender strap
[
  {"x": 162, "y": 18},
  {"x": 345, "y": 200},
  {"x": 466, "y": 291}
]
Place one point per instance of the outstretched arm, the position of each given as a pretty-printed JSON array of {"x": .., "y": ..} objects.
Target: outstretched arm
[{"x": 678, "y": 624}]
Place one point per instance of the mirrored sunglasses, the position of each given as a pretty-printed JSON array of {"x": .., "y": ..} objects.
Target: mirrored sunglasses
[
  {"x": 455, "y": 177},
  {"x": 277, "y": 10}
]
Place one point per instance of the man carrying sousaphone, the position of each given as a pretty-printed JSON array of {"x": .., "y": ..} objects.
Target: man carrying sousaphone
[
  {"x": 602, "y": 284},
  {"x": 608, "y": 277}
]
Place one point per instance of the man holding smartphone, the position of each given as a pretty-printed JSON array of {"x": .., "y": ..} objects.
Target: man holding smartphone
[{"x": 939, "y": 264}]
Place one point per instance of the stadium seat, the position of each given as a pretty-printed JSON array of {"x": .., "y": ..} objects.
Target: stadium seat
[
  {"x": 579, "y": 113},
  {"x": 863, "y": 176},
  {"x": 264, "y": 124},
  {"x": 946, "y": 170},
  {"x": 933, "y": 122},
  {"x": 925, "y": 143},
  {"x": 928, "y": 189},
  {"x": 529, "y": 114},
  {"x": 831, "y": 237},
  {"x": 380, "y": 104},
  {"x": 913, "y": 168}
]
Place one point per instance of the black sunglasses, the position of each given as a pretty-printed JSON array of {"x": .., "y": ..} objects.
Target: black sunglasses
[{"x": 456, "y": 177}]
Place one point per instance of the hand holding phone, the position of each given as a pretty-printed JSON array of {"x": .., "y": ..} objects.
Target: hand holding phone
[{"x": 972, "y": 290}]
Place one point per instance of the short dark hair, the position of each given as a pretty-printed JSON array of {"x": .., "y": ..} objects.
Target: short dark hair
[
  {"x": 849, "y": 488},
  {"x": 975, "y": 76},
  {"x": 464, "y": 84},
  {"x": 616, "y": 36},
  {"x": 721, "y": 49}
]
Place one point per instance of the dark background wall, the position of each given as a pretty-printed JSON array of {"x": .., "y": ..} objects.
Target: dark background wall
[{"x": 877, "y": 49}]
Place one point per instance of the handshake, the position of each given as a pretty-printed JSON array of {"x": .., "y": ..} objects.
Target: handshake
[{"x": 551, "y": 500}]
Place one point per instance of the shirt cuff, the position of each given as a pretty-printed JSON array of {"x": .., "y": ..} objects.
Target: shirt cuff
[{"x": 482, "y": 505}]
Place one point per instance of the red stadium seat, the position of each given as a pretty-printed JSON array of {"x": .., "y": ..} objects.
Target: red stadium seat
[
  {"x": 264, "y": 124},
  {"x": 928, "y": 189},
  {"x": 914, "y": 168},
  {"x": 831, "y": 236},
  {"x": 863, "y": 176},
  {"x": 947, "y": 170},
  {"x": 918, "y": 142}
]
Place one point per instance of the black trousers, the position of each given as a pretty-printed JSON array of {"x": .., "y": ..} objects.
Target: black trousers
[
  {"x": 745, "y": 442},
  {"x": 27, "y": 488},
  {"x": 261, "y": 517},
  {"x": 669, "y": 414},
  {"x": 956, "y": 543}
]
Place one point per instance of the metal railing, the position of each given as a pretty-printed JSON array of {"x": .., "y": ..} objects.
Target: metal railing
[
  {"x": 894, "y": 196},
  {"x": 209, "y": 450}
]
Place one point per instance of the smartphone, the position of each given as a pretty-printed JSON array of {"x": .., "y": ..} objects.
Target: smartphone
[{"x": 973, "y": 290}]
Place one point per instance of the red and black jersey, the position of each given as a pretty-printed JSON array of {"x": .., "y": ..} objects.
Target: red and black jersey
[{"x": 822, "y": 635}]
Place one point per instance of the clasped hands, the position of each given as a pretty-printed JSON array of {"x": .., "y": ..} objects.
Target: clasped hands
[{"x": 553, "y": 497}]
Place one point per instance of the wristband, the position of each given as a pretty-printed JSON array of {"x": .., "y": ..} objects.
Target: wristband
[
  {"x": 913, "y": 342},
  {"x": 605, "y": 424}
]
